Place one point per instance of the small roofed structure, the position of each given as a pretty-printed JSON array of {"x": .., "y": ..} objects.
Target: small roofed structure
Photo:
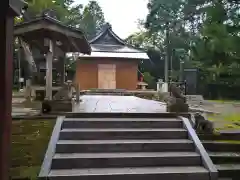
[
  {"x": 68, "y": 39},
  {"x": 51, "y": 37},
  {"x": 113, "y": 64}
]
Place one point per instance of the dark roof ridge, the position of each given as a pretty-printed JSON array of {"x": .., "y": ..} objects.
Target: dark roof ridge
[
  {"x": 105, "y": 28},
  {"x": 108, "y": 27}
]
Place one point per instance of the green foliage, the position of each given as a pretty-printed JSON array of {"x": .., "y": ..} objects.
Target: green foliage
[
  {"x": 36, "y": 7},
  {"x": 228, "y": 121},
  {"x": 93, "y": 18},
  {"x": 207, "y": 33},
  {"x": 148, "y": 78},
  {"x": 89, "y": 18}
]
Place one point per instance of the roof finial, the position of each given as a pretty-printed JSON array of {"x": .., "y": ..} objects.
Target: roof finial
[{"x": 107, "y": 26}]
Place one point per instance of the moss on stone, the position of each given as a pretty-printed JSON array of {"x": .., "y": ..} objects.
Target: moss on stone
[{"x": 29, "y": 143}]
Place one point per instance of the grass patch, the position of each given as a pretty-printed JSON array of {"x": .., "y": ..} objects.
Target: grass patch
[
  {"x": 29, "y": 143},
  {"x": 235, "y": 117},
  {"x": 228, "y": 141},
  {"x": 26, "y": 172},
  {"x": 226, "y": 121}
]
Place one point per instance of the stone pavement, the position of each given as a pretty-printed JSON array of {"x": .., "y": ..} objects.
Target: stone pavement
[
  {"x": 17, "y": 111},
  {"x": 107, "y": 103}
]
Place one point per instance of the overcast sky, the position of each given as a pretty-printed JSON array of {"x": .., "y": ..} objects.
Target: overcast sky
[{"x": 122, "y": 14}]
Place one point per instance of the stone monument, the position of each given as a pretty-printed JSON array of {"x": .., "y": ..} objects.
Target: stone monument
[{"x": 62, "y": 100}]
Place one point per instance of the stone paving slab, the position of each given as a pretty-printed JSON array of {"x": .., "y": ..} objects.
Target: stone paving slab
[
  {"x": 108, "y": 103},
  {"x": 23, "y": 111}
]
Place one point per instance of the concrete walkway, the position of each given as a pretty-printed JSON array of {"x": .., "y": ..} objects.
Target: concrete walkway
[{"x": 101, "y": 103}]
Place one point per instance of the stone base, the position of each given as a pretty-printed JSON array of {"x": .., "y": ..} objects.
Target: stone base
[
  {"x": 56, "y": 106},
  {"x": 177, "y": 105},
  {"x": 178, "y": 108}
]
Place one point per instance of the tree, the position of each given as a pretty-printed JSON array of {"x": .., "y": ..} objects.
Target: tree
[
  {"x": 166, "y": 19},
  {"x": 149, "y": 80},
  {"x": 75, "y": 16},
  {"x": 92, "y": 18},
  {"x": 206, "y": 31},
  {"x": 36, "y": 8},
  {"x": 217, "y": 48},
  {"x": 89, "y": 18},
  {"x": 152, "y": 45}
]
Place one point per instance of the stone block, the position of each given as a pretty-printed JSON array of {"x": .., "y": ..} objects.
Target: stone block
[
  {"x": 56, "y": 106},
  {"x": 177, "y": 105}
]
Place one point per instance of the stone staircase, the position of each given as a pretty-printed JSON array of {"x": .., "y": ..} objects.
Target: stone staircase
[
  {"x": 225, "y": 154},
  {"x": 125, "y": 146}
]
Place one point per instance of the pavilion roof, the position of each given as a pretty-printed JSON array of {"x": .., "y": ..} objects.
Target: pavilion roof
[
  {"x": 17, "y": 6},
  {"x": 108, "y": 44},
  {"x": 68, "y": 39}
]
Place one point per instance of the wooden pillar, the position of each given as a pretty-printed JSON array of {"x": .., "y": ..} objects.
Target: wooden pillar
[
  {"x": 28, "y": 90},
  {"x": 6, "y": 64},
  {"x": 63, "y": 69},
  {"x": 49, "y": 61},
  {"x": 77, "y": 93}
]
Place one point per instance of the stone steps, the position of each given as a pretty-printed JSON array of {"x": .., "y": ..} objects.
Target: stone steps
[
  {"x": 143, "y": 173},
  {"x": 226, "y": 157},
  {"x": 83, "y": 146},
  {"x": 228, "y": 170},
  {"x": 121, "y": 123},
  {"x": 216, "y": 146},
  {"x": 120, "y": 160},
  {"x": 124, "y": 148},
  {"x": 108, "y": 134}
]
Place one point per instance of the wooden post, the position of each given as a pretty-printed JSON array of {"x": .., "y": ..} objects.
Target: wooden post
[
  {"x": 77, "y": 93},
  {"x": 64, "y": 70},
  {"x": 181, "y": 71},
  {"x": 6, "y": 64},
  {"x": 167, "y": 55},
  {"x": 28, "y": 90},
  {"x": 49, "y": 59},
  {"x": 19, "y": 65}
]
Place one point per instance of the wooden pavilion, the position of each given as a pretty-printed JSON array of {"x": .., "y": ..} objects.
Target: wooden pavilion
[
  {"x": 53, "y": 40},
  {"x": 113, "y": 64},
  {"x": 11, "y": 8}
]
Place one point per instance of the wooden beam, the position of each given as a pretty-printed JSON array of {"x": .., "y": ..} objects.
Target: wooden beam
[
  {"x": 49, "y": 62},
  {"x": 31, "y": 27},
  {"x": 6, "y": 64}
]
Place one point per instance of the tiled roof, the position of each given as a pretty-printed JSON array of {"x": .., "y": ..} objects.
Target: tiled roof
[
  {"x": 113, "y": 48},
  {"x": 72, "y": 39},
  {"x": 17, "y": 6},
  {"x": 140, "y": 56},
  {"x": 108, "y": 44}
]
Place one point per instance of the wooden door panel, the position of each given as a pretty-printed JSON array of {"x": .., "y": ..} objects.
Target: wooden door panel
[{"x": 107, "y": 76}]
